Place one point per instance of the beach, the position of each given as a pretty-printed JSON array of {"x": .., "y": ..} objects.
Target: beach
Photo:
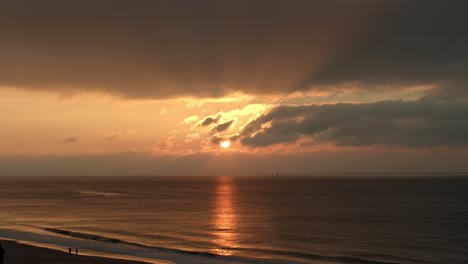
[{"x": 18, "y": 253}]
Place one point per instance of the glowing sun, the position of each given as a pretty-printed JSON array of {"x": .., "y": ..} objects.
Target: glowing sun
[{"x": 225, "y": 144}]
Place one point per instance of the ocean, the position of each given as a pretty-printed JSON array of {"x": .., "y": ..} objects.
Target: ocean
[{"x": 322, "y": 219}]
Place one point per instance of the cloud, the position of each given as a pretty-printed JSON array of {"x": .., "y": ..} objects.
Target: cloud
[
  {"x": 421, "y": 123},
  {"x": 190, "y": 119},
  {"x": 191, "y": 137},
  {"x": 223, "y": 126},
  {"x": 209, "y": 120},
  {"x": 216, "y": 139},
  {"x": 456, "y": 90},
  {"x": 68, "y": 140},
  {"x": 423, "y": 43},
  {"x": 154, "y": 49}
]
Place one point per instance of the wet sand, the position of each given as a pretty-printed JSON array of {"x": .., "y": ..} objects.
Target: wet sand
[{"x": 16, "y": 253}]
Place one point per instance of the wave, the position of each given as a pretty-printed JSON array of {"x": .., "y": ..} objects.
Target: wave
[
  {"x": 162, "y": 249},
  {"x": 181, "y": 256},
  {"x": 83, "y": 235},
  {"x": 301, "y": 255}
]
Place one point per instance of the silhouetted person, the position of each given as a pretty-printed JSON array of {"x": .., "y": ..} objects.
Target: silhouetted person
[
  {"x": 76, "y": 251},
  {"x": 2, "y": 252},
  {"x": 69, "y": 250}
]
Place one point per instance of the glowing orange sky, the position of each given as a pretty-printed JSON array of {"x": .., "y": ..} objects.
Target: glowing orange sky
[{"x": 302, "y": 86}]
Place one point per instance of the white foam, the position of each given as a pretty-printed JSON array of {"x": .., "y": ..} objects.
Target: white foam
[{"x": 116, "y": 250}]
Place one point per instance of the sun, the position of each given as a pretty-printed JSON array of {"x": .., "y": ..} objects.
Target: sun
[{"x": 225, "y": 144}]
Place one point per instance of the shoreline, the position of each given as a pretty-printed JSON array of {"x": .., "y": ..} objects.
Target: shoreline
[
  {"x": 19, "y": 252},
  {"x": 99, "y": 249}
]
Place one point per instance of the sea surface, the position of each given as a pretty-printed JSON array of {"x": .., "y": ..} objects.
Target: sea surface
[{"x": 323, "y": 219}]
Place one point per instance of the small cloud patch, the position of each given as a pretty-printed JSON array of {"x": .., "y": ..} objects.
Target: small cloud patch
[
  {"x": 223, "y": 126},
  {"x": 68, "y": 140}
]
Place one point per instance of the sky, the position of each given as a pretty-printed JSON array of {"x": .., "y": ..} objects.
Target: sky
[{"x": 155, "y": 87}]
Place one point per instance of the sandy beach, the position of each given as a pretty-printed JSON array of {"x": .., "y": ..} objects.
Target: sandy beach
[{"x": 17, "y": 253}]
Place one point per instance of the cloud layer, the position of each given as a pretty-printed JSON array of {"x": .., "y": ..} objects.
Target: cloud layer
[
  {"x": 68, "y": 140},
  {"x": 421, "y": 123},
  {"x": 162, "y": 49}
]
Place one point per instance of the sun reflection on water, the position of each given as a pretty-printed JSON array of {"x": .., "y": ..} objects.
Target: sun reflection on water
[{"x": 224, "y": 219}]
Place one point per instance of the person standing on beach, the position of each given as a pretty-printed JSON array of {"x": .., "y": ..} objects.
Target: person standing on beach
[
  {"x": 2, "y": 252},
  {"x": 69, "y": 251},
  {"x": 76, "y": 251}
]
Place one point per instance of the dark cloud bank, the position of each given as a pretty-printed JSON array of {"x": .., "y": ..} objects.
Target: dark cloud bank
[
  {"x": 422, "y": 123},
  {"x": 162, "y": 49},
  {"x": 439, "y": 118}
]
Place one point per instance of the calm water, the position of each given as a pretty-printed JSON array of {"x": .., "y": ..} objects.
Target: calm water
[{"x": 245, "y": 220}]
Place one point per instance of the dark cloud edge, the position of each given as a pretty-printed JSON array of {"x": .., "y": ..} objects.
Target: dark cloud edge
[
  {"x": 190, "y": 51},
  {"x": 430, "y": 121}
]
